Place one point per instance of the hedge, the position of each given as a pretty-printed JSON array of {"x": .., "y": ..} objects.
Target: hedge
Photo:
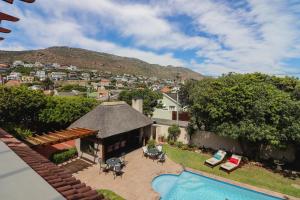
[{"x": 63, "y": 156}]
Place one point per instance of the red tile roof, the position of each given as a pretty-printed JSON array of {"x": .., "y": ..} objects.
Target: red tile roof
[{"x": 57, "y": 177}]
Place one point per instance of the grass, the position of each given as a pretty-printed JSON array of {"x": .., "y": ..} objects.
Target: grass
[
  {"x": 249, "y": 174},
  {"x": 110, "y": 194}
]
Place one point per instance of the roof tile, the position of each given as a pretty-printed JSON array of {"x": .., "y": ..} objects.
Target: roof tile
[{"x": 57, "y": 177}]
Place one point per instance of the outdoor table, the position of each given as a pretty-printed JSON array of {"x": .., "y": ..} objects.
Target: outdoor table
[
  {"x": 153, "y": 152},
  {"x": 112, "y": 162}
]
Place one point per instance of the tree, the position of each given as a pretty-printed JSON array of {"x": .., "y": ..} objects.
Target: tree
[
  {"x": 174, "y": 132},
  {"x": 253, "y": 108},
  {"x": 59, "y": 112},
  {"x": 48, "y": 83},
  {"x": 19, "y": 105},
  {"x": 149, "y": 97}
]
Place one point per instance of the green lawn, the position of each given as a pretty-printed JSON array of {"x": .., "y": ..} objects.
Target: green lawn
[
  {"x": 110, "y": 194},
  {"x": 249, "y": 174}
]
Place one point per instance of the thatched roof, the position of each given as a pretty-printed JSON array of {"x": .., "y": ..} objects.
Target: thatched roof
[{"x": 112, "y": 119}]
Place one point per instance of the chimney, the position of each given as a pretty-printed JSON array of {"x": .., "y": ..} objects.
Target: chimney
[{"x": 137, "y": 104}]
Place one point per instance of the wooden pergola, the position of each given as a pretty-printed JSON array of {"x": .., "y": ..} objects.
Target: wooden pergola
[
  {"x": 4, "y": 16},
  {"x": 59, "y": 136}
]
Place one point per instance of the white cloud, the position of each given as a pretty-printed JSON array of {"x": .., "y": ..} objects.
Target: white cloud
[
  {"x": 230, "y": 38},
  {"x": 58, "y": 30},
  {"x": 255, "y": 40}
]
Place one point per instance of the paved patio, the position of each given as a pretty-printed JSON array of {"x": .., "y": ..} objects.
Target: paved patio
[{"x": 135, "y": 184}]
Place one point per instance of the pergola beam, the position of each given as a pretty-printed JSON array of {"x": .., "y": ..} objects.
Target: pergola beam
[
  {"x": 4, "y": 30},
  {"x": 7, "y": 17},
  {"x": 12, "y": 1},
  {"x": 59, "y": 136}
]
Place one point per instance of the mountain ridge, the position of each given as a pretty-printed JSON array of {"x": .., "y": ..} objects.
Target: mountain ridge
[{"x": 87, "y": 59}]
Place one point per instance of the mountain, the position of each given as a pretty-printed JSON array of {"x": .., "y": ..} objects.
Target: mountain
[{"x": 85, "y": 59}]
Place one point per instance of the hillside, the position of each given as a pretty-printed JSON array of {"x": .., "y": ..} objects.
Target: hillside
[{"x": 85, "y": 59}]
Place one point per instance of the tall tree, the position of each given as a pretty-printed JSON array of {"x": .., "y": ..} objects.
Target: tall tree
[
  {"x": 253, "y": 108},
  {"x": 149, "y": 97}
]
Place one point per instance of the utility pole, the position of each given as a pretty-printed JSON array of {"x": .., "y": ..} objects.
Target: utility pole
[{"x": 177, "y": 99}]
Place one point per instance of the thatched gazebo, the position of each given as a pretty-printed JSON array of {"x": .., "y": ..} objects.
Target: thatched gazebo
[{"x": 121, "y": 128}]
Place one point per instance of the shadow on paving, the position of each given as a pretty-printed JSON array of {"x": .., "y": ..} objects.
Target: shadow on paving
[{"x": 76, "y": 166}]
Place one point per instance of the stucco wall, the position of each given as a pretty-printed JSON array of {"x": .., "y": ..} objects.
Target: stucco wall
[
  {"x": 162, "y": 130},
  {"x": 211, "y": 140},
  {"x": 162, "y": 114},
  {"x": 214, "y": 141}
]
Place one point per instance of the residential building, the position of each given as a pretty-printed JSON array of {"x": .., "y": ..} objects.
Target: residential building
[
  {"x": 73, "y": 76},
  {"x": 28, "y": 65},
  {"x": 41, "y": 75},
  {"x": 104, "y": 82},
  {"x": 166, "y": 89},
  {"x": 72, "y": 68},
  {"x": 38, "y": 64},
  {"x": 4, "y": 68},
  {"x": 36, "y": 87},
  {"x": 56, "y": 65},
  {"x": 27, "y": 79},
  {"x": 14, "y": 76},
  {"x": 169, "y": 104},
  {"x": 18, "y": 63},
  {"x": 58, "y": 76},
  {"x": 85, "y": 76}
]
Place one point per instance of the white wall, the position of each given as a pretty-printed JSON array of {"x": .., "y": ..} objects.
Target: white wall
[
  {"x": 214, "y": 141},
  {"x": 162, "y": 130}
]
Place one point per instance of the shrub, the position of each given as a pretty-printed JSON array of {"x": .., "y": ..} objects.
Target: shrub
[
  {"x": 174, "y": 132},
  {"x": 63, "y": 156},
  {"x": 185, "y": 147},
  {"x": 171, "y": 142},
  {"x": 151, "y": 144},
  {"x": 108, "y": 194},
  {"x": 179, "y": 144}
]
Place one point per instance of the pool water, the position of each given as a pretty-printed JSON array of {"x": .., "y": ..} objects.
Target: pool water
[{"x": 191, "y": 186}]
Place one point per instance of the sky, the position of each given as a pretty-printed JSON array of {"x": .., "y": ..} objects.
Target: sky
[{"x": 212, "y": 37}]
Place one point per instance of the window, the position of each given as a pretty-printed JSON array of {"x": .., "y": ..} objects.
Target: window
[{"x": 171, "y": 108}]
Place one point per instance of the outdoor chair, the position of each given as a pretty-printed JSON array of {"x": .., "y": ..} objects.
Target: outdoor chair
[
  {"x": 216, "y": 159},
  {"x": 103, "y": 166},
  {"x": 232, "y": 163},
  {"x": 122, "y": 159},
  {"x": 159, "y": 147},
  {"x": 118, "y": 171},
  {"x": 162, "y": 158},
  {"x": 145, "y": 151}
]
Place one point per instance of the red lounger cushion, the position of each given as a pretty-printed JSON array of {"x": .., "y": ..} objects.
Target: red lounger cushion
[{"x": 234, "y": 160}]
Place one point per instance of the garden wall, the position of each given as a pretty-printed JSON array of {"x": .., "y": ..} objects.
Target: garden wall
[
  {"x": 211, "y": 140},
  {"x": 214, "y": 141}
]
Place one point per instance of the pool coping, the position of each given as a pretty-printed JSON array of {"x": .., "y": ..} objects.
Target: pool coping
[{"x": 244, "y": 185}]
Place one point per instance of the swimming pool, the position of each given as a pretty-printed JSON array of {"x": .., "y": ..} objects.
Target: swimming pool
[{"x": 191, "y": 186}]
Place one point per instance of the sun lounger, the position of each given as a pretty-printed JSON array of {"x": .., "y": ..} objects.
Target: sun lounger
[
  {"x": 216, "y": 159},
  {"x": 232, "y": 163}
]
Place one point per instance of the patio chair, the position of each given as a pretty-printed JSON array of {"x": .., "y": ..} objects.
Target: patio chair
[
  {"x": 103, "y": 166},
  {"x": 145, "y": 151},
  {"x": 159, "y": 147},
  {"x": 232, "y": 163},
  {"x": 118, "y": 171},
  {"x": 216, "y": 159},
  {"x": 122, "y": 159},
  {"x": 162, "y": 158}
]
